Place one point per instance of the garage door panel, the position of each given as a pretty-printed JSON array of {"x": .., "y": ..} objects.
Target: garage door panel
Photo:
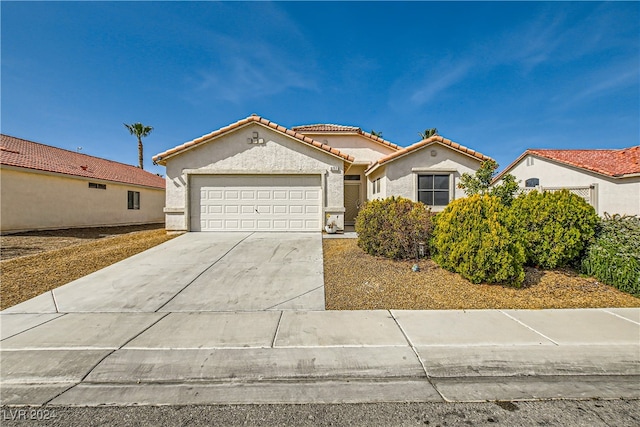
[{"x": 268, "y": 202}]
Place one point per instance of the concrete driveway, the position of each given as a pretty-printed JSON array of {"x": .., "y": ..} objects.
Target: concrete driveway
[{"x": 201, "y": 272}]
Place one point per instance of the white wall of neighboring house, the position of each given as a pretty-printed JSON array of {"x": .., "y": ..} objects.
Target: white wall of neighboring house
[
  {"x": 230, "y": 154},
  {"x": 400, "y": 176},
  {"x": 612, "y": 195},
  {"x": 34, "y": 200}
]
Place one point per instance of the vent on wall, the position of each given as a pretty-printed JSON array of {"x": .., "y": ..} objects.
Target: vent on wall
[{"x": 98, "y": 186}]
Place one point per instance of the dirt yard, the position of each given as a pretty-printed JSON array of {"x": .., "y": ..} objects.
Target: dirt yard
[
  {"x": 36, "y": 262},
  {"x": 33, "y": 242},
  {"x": 357, "y": 281}
]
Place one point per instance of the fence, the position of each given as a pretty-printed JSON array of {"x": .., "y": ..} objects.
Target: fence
[{"x": 588, "y": 193}]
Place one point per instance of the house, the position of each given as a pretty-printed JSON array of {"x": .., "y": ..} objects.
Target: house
[
  {"x": 608, "y": 179},
  {"x": 257, "y": 175},
  {"x": 44, "y": 187}
]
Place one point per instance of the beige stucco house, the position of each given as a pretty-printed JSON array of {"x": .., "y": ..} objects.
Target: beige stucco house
[
  {"x": 44, "y": 187},
  {"x": 608, "y": 179},
  {"x": 257, "y": 175}
]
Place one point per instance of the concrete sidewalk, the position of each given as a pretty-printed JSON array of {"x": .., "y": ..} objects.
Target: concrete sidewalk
[{"x": 285, "y": 356}]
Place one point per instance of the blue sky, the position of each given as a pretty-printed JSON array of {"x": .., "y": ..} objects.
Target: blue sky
[{"x": 498, "y": 77}]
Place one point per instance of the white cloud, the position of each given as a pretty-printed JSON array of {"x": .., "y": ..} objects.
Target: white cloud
[{"x": 442, "y": 77}]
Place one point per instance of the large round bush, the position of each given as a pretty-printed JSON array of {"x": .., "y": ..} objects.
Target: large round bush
[
  {"x": 393, "y": 227},
  {"x": 473, "y": 237},
  {"x": 554, "y": 226}
]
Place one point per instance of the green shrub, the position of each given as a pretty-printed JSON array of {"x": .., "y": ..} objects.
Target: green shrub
[
  {"x": 556, "y": 227},
  {"x": 614, "y": 257},
  {"x": 393, "y": 227},
  {"x": 472, "y": 236}
]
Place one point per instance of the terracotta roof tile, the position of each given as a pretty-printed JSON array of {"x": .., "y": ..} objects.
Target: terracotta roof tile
[
  {"x": 332, "y": 128},
  {"x": 33, "y": 155},
  {"x": 161, "y": 158},
  {"x": 620, "y": 162},
  {"x": 425, "y": 143}
]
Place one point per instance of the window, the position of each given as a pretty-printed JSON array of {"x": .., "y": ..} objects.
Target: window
[
  {"x": 133, "y": 199},
  {"x": 376, "y": 186},
  {"x": 99, "y": 186},
  {"x": 433, "y": 190},
  {"x": 532, "y": 182},
  {"x": 352, "y": 177}
]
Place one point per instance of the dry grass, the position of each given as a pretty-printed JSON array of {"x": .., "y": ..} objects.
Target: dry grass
[
  {"x": 355, "y": 280},
  {"x": 28, "y": 276}
]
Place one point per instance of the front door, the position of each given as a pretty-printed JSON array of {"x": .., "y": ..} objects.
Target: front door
[{"x": 351, "y": 202}]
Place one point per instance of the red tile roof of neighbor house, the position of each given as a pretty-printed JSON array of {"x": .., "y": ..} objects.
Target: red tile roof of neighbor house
[
  {"x": 161, "y": 158},
  {"x": 331, "y": 128},
  {"x": 425, "y": 143},
  {"x": 620, "y": 162},
  {"x": 609, "y": 162},
  {"x": 33, "y": 155}
]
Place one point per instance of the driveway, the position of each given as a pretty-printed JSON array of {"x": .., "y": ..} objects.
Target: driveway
[{"x": 201, "y": 272}]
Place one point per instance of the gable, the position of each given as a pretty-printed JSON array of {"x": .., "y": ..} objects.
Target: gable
[
  {"x": 234, "y": 127},
  {"x": 423, "y": 152},
  {"x": 232, "y": 151}
]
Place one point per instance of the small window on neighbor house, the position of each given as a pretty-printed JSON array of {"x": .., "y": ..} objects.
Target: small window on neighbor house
[
  {"x": 532, "y": 182},
  {"x": 352, "y": 177},
  {"x": 99, "y": 186},
  {"x": 433, "y": 190},
  {"x": 133, "y": 199}
]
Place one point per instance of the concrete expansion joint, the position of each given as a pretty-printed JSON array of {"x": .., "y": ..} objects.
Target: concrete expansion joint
[
  {"x": 621, "y": 317},
  {"x": 529, "y": 327},
  {"x": 415, "y": 351},
  {"x": 275, "y": 334},
  {"x": 203, "y": 271}
]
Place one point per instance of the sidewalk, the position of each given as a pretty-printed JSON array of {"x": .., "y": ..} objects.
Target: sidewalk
[{"x": 318, "y": 356}]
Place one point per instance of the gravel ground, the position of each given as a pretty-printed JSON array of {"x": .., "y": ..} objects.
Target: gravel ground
[
  {"x": 570, "y": 413},
  {"x": 355, "y": 280},
  {"x": 27, "y": 276}
]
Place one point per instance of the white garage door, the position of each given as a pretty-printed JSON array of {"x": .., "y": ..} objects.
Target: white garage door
[{"x": 256, "y": 203}]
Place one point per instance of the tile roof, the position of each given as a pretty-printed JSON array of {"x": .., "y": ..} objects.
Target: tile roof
[
  {"x": 328, "y": 127},
  {"x": 33, "y": 155},
  {"x": 436, "y": 139},
  {"x": 621, "y": 162},
  {"x": 609, "y": 162},
  {"x": 161, "y": 158}
]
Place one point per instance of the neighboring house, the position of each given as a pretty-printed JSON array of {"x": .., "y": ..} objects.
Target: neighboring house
[
  {"x": 608, "y": 179},
  {"x": 44, "y": 187},
  {"x": 257, "y": 175}
]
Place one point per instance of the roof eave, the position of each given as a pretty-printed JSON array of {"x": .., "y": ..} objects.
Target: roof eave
[{"x": 162, "y": 158}]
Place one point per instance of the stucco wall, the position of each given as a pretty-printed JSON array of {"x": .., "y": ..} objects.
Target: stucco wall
[
  {"x": 231, "y": 154},
  {"x": 400, "y": 176},
  {"x": 363, "y": 149},
  {"x": 38, "y": 201},
  {"x": 620, "y": 196}
]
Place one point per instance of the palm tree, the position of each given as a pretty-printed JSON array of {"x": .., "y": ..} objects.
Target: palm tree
[
  {"x": 140, "y": 131},
  {"x": 428, "y": 133},
  {"x": 374, "y": 133}
]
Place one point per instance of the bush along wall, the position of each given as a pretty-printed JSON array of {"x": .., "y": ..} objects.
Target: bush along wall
[
  {"x": 393, "y": 227},
  {"x": 614, "y": 257},
  {"x": 474, "y": 237},
  {"x": 555, "y": 227}
]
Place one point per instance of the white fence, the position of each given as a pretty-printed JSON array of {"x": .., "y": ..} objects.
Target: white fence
[{"x": 588, "y": 193}]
